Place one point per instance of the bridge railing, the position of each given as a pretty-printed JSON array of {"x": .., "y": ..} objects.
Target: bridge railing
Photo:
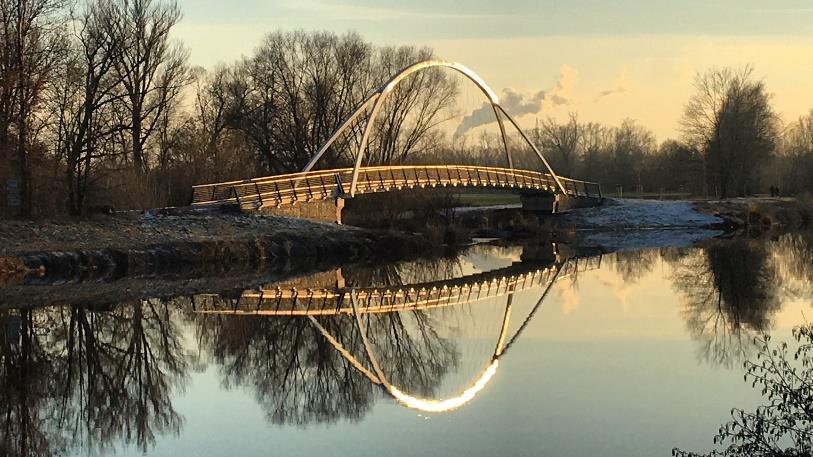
[
  {"x": 575, "y": 187},
  {"x": 321, "y": 185}
]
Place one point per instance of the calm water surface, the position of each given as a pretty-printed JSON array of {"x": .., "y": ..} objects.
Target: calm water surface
[{"x": 624, "y": 354}]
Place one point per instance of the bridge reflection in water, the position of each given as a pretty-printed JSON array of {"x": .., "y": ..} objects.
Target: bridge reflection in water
[
  {"x": 79, "y": 378},
  {"x": 370, "y": 309}
]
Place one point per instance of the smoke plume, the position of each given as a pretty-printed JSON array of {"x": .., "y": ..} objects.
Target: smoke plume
[{"x": 517, "y": 104}]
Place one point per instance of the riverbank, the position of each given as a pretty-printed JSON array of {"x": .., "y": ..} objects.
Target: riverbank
[
  {"x": 110, "y": 247},
  {"x": 632, "y": 214},
  {"x": 620, "y": 224},
  {"x": 759, "y": 214},
  {"x": 196, "y": 243},
  {"x": 729, "y": 215}
]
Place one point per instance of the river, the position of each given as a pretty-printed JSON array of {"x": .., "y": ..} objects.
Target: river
[{"x": 495, "y": 350}]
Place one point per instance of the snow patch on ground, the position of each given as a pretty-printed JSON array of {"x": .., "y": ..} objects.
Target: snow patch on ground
[
  {"x": 622, "y": 224},
  {"x": 626, "y": 214}
]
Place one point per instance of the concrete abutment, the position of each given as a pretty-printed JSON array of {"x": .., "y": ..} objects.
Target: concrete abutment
[
  {"x": 550, "y": 203},
  {"x": 318, "y": 210}
]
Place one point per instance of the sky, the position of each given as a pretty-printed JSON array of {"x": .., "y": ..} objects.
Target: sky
[{"x": 606, "y": 60}]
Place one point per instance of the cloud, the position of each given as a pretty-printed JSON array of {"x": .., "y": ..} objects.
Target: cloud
[
  {"x": 608, "y": 92},
  {"x": 517, "y": 104},
  {"x": 620, "y": 85},
  {"x": 619, "y": 286}
]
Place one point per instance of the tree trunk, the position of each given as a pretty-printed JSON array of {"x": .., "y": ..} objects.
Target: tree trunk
[
  {"x": 138, "y": 146},
  {"x": 23, "y": 165},
  {"x": 70, "y": 177}
]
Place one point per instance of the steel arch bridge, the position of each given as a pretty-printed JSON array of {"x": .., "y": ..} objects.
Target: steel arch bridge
[{"x": 310, "y": 186}]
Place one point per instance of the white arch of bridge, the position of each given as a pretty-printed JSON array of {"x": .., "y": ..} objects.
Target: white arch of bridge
[{"x": 379, "y": 96}]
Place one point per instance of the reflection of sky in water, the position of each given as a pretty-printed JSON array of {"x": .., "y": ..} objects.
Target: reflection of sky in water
[{"x": 607, "y": 367}]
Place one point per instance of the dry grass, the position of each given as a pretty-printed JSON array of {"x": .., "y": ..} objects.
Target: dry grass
[
  {"x": 763, "y": 214},
  {"x": 428, "y": 213},
  {"x": 784, "y": 213},
  {"x": 12, "y": 270}
]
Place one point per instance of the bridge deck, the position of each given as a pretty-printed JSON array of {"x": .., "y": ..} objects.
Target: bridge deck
[{"x": 275, "y": 191}]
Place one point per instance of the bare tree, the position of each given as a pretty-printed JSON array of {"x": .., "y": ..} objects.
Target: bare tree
[
  {"x": 299, "y": 87},
  {"x": 211, "y": 110},
  {"x": 406, "y": 125},
  {"x": 596, "y": 141},
  {"x": 81, "y": 97},
  {"x": 731, "y": 120},
  {"x": 29, "y": 51},
  {"x": 796, "y": 155},
  {"x": 560, "y": 142},
  {"x": 153, "y": 70},
  {"x": 633, "y": 143},
  {"x": 296, "y": 90}
]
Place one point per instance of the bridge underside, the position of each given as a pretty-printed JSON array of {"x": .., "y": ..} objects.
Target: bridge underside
[{"x": 320, "y": 195}]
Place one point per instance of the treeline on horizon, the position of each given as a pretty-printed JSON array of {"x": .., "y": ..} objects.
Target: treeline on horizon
[{"x": 100, "y": 107}]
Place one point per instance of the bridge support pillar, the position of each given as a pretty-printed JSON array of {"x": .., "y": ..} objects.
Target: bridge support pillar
[
  {"x": 544, "y": 253},
  {"x": 559, "y": 203},
  {"x": 566, "y": 203},
  {"x": 318, "y": 210}
]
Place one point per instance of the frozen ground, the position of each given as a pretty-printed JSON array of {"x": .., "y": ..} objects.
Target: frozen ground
[
  {"x": 622, "y": 224},
  {"x": 627, "y": 214}
]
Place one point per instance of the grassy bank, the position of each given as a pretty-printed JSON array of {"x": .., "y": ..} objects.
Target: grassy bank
[{"x": 762, "y": 214}]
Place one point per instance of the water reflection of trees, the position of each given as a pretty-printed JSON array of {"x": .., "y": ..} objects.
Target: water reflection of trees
[
  {"x": 434, "y": 268},
  {"x": 794, "y": 258},
  {"x": 415, "y": 271},
  {"x": 410, "y": 350},
  {"x": 729, "y": 292},
  {"x": 298, "y": 377},
  {"x": 632, "y": 265},
  {"x": 26, "y": 386},
  {"x": 73, "y": 378}
]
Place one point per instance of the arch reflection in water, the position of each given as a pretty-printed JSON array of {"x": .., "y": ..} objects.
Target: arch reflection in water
[{"x": 401, "y": 348}]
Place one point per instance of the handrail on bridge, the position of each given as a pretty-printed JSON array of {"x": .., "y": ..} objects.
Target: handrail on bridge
[{"x": 288, "y": 189}]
